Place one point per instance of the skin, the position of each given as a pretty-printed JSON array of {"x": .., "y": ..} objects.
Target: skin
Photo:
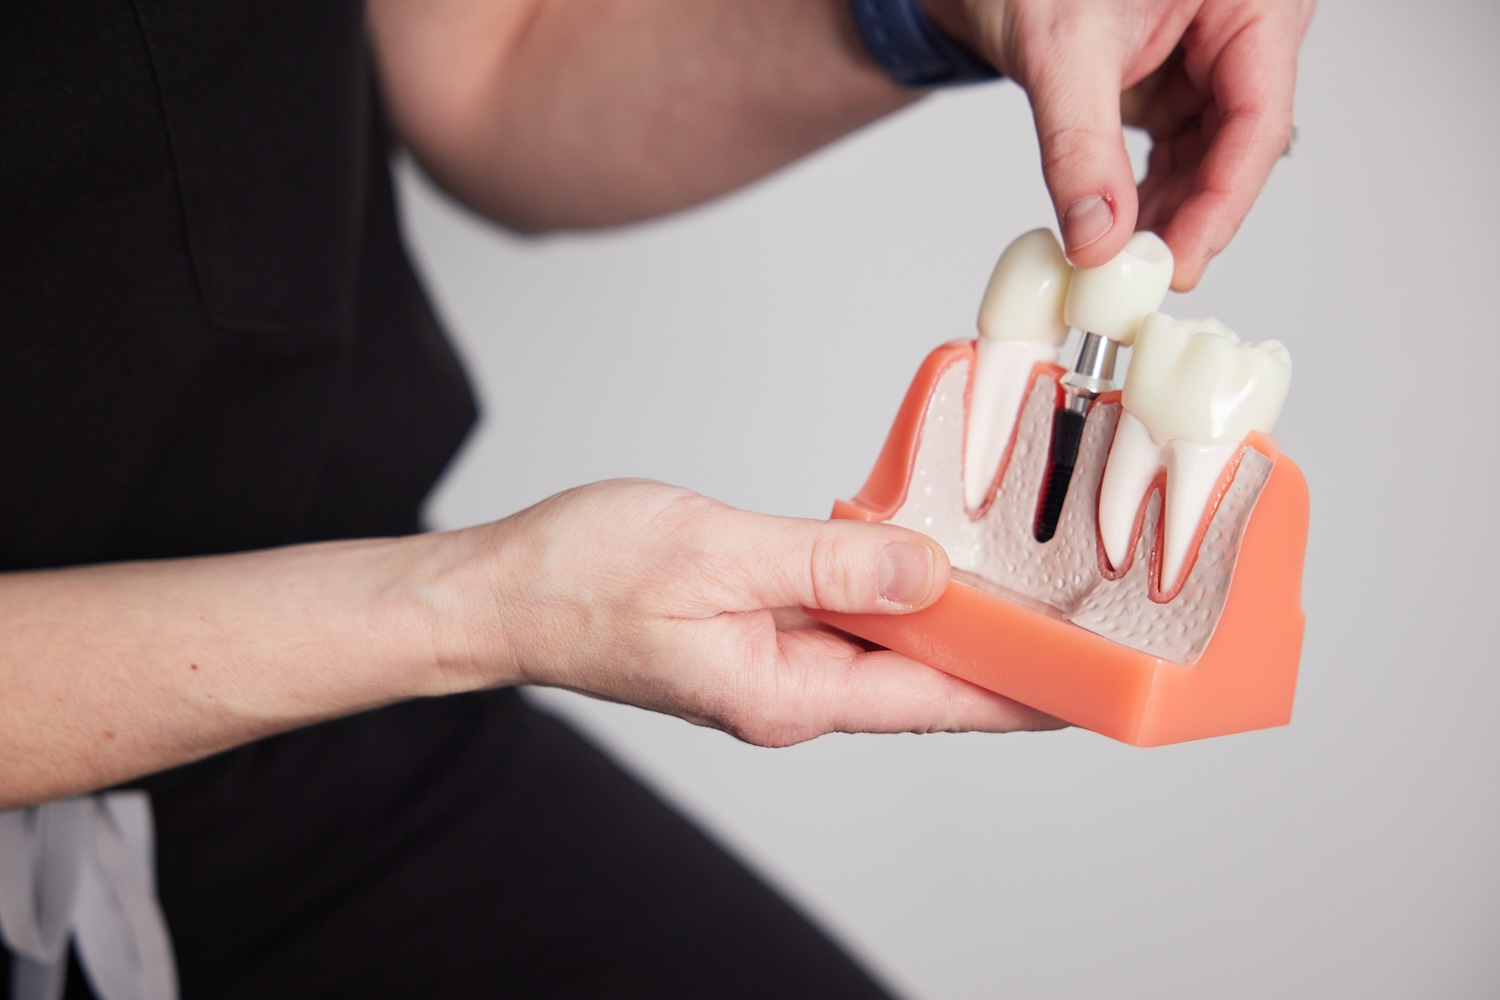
[
  {"x": 586, "y": 113},
  {"x": 573, "y": 113},
  {"x": 628, "y": 590},
  {"x": 1211, "y": 82}
]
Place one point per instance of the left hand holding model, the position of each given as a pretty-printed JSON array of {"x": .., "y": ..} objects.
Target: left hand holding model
[{"x": 648, "y": 594}]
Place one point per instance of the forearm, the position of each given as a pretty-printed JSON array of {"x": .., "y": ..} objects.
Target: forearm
[
  {"x": 574, "y": 113},
  {"x": 110, "y": 672}
]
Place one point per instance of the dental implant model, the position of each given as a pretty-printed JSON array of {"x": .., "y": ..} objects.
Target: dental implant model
[{"x": 1164, "y": 602}]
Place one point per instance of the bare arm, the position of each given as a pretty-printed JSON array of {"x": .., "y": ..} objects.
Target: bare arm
[
  {"x": 108, "y": 672},
  {"x": 574, "y": 113},
  {"x": 631, "y": 591}
]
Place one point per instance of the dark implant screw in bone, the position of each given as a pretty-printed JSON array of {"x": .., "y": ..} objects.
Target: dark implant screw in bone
[
  {"x": 1093, "y": 372},
  {"x": 1067, "y": 432}
]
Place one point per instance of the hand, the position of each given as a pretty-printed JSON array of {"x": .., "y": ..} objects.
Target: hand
[
  {"x": 1210, "y": 81},
  {"x": 643, "y": 593}
]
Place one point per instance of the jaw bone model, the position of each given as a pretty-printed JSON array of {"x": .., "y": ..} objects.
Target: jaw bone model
[{"x": 1165, "y": 606}]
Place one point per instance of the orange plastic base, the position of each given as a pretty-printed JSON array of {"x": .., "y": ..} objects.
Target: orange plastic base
[{"x": 1245, "y": 679}]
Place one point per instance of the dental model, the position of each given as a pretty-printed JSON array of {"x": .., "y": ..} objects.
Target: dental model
[{"x": 1166, "y": 604}]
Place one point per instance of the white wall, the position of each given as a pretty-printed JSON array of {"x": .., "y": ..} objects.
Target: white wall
[{"x": 756, "y": 350}]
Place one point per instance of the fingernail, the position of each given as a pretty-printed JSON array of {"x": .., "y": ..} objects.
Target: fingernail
[
  {"x": 905, "y": 573},
  {"x": 1085, "y": 221}
]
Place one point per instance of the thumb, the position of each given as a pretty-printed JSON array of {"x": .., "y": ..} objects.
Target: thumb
[
  {"x": 1075, "y": 99},
  {"x": 839, "y": 565}
]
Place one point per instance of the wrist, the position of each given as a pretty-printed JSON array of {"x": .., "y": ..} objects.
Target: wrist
[{"x": 453, "y": 591}]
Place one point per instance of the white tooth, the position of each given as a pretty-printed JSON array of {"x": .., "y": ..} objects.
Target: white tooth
[
  {"x": 1020, "y": 324},
  {"x": 1112, "y": 299},
  {"x": 1193, "y": 380},
  {"x": 1024, "y": 299},
  {"x": 1198, "y": 391},
  {"x": 1133, "y": 460}
]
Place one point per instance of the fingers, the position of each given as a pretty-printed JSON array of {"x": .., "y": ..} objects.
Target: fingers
[
  {"x": 828, "y": 685},
  {"x": 1075, "y": 99},
  {"x": 1234, "y": 63},
  {"x": 1252, "y": 79},
  {"x": 885, "y": 692},
  {"x": 1170, "y": 177},
  {"x": 849, "y": 566}
]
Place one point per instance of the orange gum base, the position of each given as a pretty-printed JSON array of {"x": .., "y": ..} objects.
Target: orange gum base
[{"x": 1244, "y": 680}]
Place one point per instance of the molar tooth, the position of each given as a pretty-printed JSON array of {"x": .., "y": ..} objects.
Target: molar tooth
[
  {"x": 1198, "y": 391},
  {"x": 1193, "y": 380},
  {"x": 1020, "y": 324}
]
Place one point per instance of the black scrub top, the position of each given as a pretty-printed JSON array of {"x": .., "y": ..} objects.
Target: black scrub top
[{"x": 210, "y": 338}]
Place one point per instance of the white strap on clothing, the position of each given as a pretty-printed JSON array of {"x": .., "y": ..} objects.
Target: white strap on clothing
[{"x": 82, "y": 868}]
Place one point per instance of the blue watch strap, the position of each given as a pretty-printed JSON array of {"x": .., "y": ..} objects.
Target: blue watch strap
[{"x": 912, "y": 49}]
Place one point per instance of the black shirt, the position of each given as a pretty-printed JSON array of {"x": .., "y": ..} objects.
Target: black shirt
[{"x": 210, "y": 338}]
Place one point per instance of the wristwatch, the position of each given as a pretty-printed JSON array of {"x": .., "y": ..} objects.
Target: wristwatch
[{"x": 913, "y": 50}]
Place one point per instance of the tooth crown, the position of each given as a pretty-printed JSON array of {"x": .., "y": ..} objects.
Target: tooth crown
[
  {"x": 1112, "y": 299},
  {"x": 1194, "y": 380},
  {"x": 1024, "y": 299}
]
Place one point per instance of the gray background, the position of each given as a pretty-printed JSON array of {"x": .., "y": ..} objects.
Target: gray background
[{"x": 755, "y": 350}]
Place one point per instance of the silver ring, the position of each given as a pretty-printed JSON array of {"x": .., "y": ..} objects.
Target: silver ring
[{"x": 1291, "y": 142}]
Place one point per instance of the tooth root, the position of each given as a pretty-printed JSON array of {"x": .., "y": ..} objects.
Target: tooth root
[
  {"x": 1134, "y": 459},
  {"x": 1002, "y": 373},
  {"x": 1193, "y": 472},
  {"x": 1020, "y": 324}
]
